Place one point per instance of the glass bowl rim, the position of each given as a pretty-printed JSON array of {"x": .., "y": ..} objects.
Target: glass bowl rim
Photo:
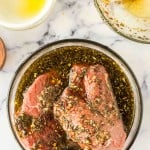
[{"x": 111, "y": 26}]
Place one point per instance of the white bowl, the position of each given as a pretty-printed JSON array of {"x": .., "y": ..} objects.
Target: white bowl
[{"x": 28, "y": 23}]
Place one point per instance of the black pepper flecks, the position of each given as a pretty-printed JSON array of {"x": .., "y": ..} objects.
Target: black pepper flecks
[{"x": 62, "y": 60}]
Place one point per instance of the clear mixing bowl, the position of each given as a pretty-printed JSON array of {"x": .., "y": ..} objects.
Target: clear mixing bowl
[{"x": 84, "y": 44}]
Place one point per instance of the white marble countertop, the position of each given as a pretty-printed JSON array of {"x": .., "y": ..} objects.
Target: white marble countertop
[{"x": 73, "y": 19}]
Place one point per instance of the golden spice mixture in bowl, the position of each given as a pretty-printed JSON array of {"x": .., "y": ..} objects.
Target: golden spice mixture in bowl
[
  {"x": 130, "y": 18},
  {"x": 74, "y": 94}
]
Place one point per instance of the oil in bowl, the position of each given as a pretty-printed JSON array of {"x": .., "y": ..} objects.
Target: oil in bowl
[
  {"x": 18, "y": 14},
  {"x": 135, "y": 25},
  {"x": 61, "y": 57},
  {"x": 139, "y": 8}
]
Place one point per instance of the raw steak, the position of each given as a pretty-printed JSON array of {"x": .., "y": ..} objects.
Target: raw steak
[
  {"x": 40, "y": 95},
  {"x": 77, "y": 73},
  {"x": 88, "y": 113},
  {"x": 43, "y": 133},
  {"x": 35, "y": 123}
]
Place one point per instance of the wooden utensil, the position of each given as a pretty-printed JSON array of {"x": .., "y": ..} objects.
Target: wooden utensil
[{"x": 2, "y": 53}]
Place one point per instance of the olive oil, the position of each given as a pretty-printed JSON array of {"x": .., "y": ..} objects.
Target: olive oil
[
  {"x": 139, "y": 8},
  {"x": 22, "y": 14},
  {"x": 21, "y": 8},
  {"x": 62, "y": 60},
  {"x": 29, "y": 8}
]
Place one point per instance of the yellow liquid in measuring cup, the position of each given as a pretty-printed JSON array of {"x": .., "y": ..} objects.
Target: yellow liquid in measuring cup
[
  {"x": 13, "y": 10},
  {"x": 139, "y": 8}
]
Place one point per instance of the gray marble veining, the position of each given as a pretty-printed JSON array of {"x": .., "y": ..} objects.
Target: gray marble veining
[{"x": 73, "y": 19}]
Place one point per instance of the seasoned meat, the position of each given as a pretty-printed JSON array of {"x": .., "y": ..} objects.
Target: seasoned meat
[
  {"x": 101, "y": 100},
  {"x": 40, "y": 95},
  {"x": 43, "y": 133},
  {"x": 77, "y": 73},
  {"x": 90, "y": 115},
  {"x": 35, "y": 122}
]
